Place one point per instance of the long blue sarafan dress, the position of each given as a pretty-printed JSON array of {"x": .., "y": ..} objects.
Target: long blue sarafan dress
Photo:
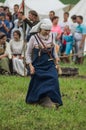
[{"x": 44, "y": 83}]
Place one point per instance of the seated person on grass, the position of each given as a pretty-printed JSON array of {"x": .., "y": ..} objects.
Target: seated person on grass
[
  {"x": 5, "y": 54},
  {"x": 67, "y": 40}
]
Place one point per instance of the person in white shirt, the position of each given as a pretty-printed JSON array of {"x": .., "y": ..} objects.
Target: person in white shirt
[
  {"x": 79, "y": 36},
  {"x": 18, "y": 25},
  {"x": 74, "y": 23},
  {"x": 51, "y": 14},
  {"x": 73, "y": 29},
  {"x": 16, "y": 46},
  {"x": 65, "y": 21}
]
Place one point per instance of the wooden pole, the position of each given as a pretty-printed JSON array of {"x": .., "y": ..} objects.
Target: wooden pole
[{"x": 24, "y": 46}]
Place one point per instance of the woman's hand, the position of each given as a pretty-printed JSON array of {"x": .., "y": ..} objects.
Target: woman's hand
[
  {"x": 32, "y": 69},
  {"x": 57, "y": 60},
  {"x": 2, "y": 56}
]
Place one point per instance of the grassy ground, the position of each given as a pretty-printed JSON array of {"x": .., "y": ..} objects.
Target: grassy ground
[{"x": 15, "y": 114}]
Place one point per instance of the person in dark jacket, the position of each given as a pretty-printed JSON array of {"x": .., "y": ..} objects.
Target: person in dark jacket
[{"x": 31, "y": 21}]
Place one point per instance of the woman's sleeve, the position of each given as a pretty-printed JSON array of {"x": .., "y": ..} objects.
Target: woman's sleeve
[
  {"x": 55, "y": 53},
  {"x": 10, "y": 43},
  {"x": 28, "y": 22},
  {"x": 23, "y": 48},
  {"x": 8, "y": 51},
  {"x": 30, "y": 46}
]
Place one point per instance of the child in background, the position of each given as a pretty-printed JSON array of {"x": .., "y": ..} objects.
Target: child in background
[{"x": 67, "y": 40}]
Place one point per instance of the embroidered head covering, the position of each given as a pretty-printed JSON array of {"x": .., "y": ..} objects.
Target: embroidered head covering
[{"x": 43, "y": 24}]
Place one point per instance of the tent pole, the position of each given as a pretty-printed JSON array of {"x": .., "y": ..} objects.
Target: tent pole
[{"x": 24, "y": 44}]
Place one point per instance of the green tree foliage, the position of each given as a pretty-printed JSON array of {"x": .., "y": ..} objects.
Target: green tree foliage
[
  {"x": 2, "y": 0},
  {"x": 69, "y": 1}
]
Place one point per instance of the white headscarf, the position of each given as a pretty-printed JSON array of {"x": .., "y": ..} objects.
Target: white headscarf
[{"x": 43, "y": 24}]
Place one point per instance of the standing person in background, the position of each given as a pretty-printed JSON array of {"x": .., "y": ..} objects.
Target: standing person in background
[
  {"x": 19, "y": 22},
  {"x": 44, "y": 84},
  {"x": 31, "y": 21},
  {"x": 15, "y": 14},
  {"x": 56, "y": 31},
  {"x": 65, "y": 21},
  {"x": 73, "y": 28},
  {"x": 74, "y": 23},
  {"x": 80, "y": 35},
  {"x": 18, "y": 25},
  {"x": 51, "y": 14},
  {"x": 62, "y": 24}
]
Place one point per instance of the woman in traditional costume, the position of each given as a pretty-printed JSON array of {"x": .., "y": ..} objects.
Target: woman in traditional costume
[
  {"x": 17, "y": 49},
  {"x": 41, "y": 57}
]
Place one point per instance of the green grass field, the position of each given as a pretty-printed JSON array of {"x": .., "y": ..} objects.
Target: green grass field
[{"x": 15, "y": 114}]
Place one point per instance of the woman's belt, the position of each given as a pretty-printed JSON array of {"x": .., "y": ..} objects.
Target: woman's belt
[{"x": 16, "y": 54}]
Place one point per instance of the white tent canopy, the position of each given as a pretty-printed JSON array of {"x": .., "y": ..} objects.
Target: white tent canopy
[
  {"x": 79, "y": 9},
  {"x": 1, "y": 3},
  {"x": 41, "y": 6}
]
